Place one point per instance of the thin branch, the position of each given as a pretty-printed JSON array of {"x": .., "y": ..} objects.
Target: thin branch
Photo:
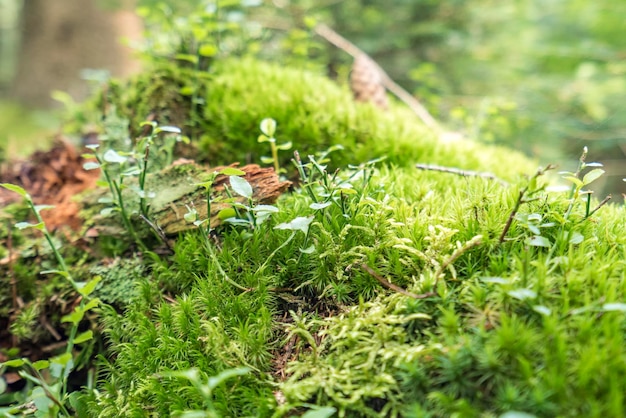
[
  {"x": 342, "y": 43},
  {"x": 509, "y": 221},
  {"x": 158, "y": 231},
  {"x": 460, "y": 172},
  {"x": 392, "y": 286},
  {"x": 604, "y": 202},
  {"x": 520, "y": 200}
]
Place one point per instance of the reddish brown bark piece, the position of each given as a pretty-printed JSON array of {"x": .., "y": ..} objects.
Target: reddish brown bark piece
[
  {"x": 181, "y": 193},
  {"x": 51, "y": 177}
]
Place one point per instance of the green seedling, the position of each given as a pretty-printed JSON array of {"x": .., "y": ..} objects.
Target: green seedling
[
  {"x": 117, "y": 166},
  {"x": 253, "y": 216},
  {"x": 205, "y": 388},
  {"x": 578, "y": 183},
  {"x": 50, "y": 395},
  {"x": 268, "y": 127}
]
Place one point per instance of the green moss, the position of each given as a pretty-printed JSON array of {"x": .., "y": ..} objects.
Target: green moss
[
  {"x": 118, "y": 286},
  {"x": 499, "y": 326},
  {"x": 311, "y": 111}
]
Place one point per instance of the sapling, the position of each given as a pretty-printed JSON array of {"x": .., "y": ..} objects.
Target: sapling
[
  {"x": 52, "y": 398},
  {"x": 117, "y": 165},
  {"x": 256, "y": 214},
  {"x": 268, "y": 127}
]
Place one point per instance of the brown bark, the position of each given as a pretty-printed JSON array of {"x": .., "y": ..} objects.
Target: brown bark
[
  {"x": 169, "y": 215},
  {"x": 60, "y": 38}
]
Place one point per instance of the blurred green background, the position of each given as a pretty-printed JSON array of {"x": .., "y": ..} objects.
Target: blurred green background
[{"x": 545, "y": 77}]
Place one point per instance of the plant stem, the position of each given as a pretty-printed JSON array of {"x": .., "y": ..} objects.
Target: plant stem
[{"x": 275, "y": 157}]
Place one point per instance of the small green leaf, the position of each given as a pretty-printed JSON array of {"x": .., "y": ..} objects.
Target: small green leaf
[
  {"x": 265, "y": 208},
  {"x": 226, "y": 213},
  {"x": 543, "y": 310},
  {"x": 308, "y": 250},
  {"x": 237, "y": 221},
  {"x": 61, "y": 359},
  {"x": 41, "y": 364},
  {"x": 39, "y": 208},
  {"x": 614, "y": 307},
  {"x": 576, "y": 238},
  {"x": 533, "y": 228},
  {"x": 63, "y": 97},
  {"x": 208, "y": 50},
  {"x": 267, "y": 160},
  {"x": 107, "y": 211},
  {"x": 592, "y": 176},
  {"x": 191, "y": 216},
  {"x": 186, "y": 90},
  {"x": 523, "y": 294},
  {"x": 347, "y": 190},
  {"x": 23, "y": 225},
  {"x": 131, "y": 172},
  {"x": 112, "y": 156},
  {"x": 241, "y": 186},
  {"x": 84, "y": 336},
  {"x": 91, "y": 304},
  {"x": 91, "y": 165},
  {"x": 268, "y": 127},
  {"x": 192, "y": 414},
  {"x": 16, "y": 189},
  {"x": 575, "y": 180},
  {"x": 298, "y": 224},
  {"x": 18, "y": 362},
  {"x": 226, "y": 374},
  {"x": 285, "y": 146},
  {"x": 539, "y": 241},
  {"x": 150, "y": 123},
  {"x": 264, "y": 138},
  {"x": 232, "y": 171},
  {"x": 498, "y": 280},
  {"x": 320, "y": 412},
  {"x": 321, "y": 205},
  {"x": 517, "y": 414},
  {"x": 90, "y": 286},
  {"x": 169, "y": 129},
  {"x": 41, "y": 401},
  {"x": 186, "y": 57},
  {"x": 74, "y": 317}
]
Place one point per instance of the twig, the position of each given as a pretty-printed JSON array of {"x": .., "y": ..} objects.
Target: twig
[
  {"x": 509, "y": 221},
  {"x": 520, "y": 200},
  {"x": 604, "y": 202},
  {"x": 44, "y": 321},
  {"x": 158, "y": 231},
  {"x": 406, "y": 97},
  {"x": 460, "y": 172},
  {"x": 459, "y": 252},
  {"x": 392, "y": 286}
]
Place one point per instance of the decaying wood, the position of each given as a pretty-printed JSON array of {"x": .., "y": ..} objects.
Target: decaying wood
[
  {"x": 52, "y": 177},
  {"x": 56, "y": 177},
  {"x": 182, "y": 192}
]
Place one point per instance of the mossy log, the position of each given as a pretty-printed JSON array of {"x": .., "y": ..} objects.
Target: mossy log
[{"x": 178, "y": 190}]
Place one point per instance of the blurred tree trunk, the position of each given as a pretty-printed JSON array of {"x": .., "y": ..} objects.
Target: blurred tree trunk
[{"x": 62, "y": 37}]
